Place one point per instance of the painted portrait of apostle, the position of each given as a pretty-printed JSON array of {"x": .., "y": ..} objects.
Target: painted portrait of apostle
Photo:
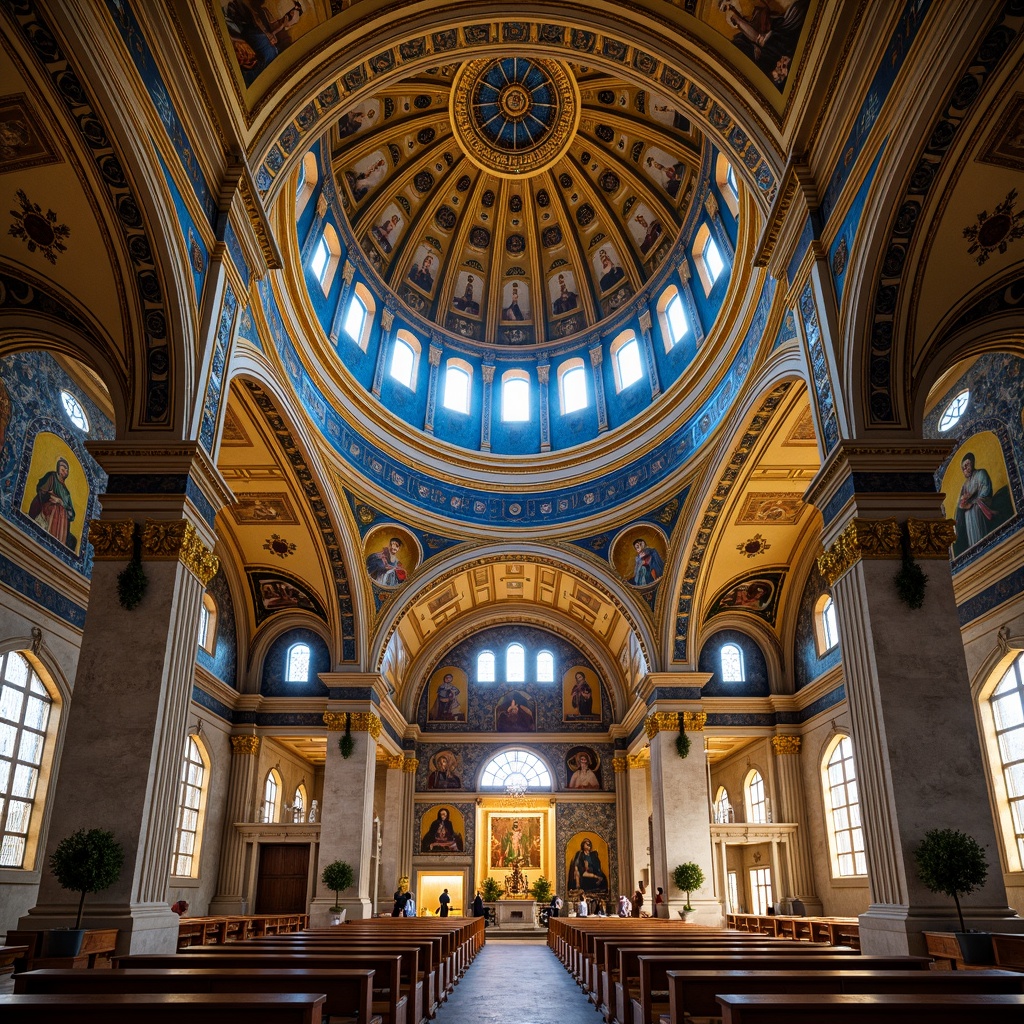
[
  {"x": 515, "y": 301},
  {"x": 515, "y": 712},
  {"x": 582, "y": 768},
  {"x": 446, "y": 695},
  {"x": 367, "y": 174},
  {"x": 444, "y": 771},
  {"x": 586, "y": 865},
  {"x": 977, "y": 490},
  {"x": 581, "y": 695},
  {"x": 442, "y": 830},
  {"x": 391, "y": 554},
  {"x": 56, "y": 494},
  {"x": 607, "y": 267}
]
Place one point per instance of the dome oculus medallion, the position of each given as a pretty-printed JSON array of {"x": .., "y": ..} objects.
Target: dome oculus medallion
[{"x": 514, "y": 116}]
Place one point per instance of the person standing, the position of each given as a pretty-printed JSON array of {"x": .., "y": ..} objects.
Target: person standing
[
  {"x": 638, "y": 900},
  {"x": 443, "y": 902},
  {"x": 399, "y": 908},
  {"x": 409, "y": 910},
  {"x": 625, "y": 907},
  {"x": 556, "y": 905},
  {"x": 478, "y": 904},
  {"x": 659, "y": 901},
  {"x": 582, "y": 909}
]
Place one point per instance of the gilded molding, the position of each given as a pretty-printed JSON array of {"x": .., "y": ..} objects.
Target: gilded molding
[
  {"x": 111, "y": 539},
  {"x": 334, "y": 720},
  {"x": 634, "y": 761},
  {"x": 786, "y": 745},
  {"x": 931, "y": 538},
  {"x": 178, "y": 539},
  {"x": 366, "y": 721},
  {"x": 660, "y": 721},
  {"x": 862, "y": 538},
  {"x": 395, "y": 761},
  {"x": 619, "y": 764},
  {"x": 411, "y": 764},
  {"x": 245, "y": 744},
  {"x": 694, "y": 721}
]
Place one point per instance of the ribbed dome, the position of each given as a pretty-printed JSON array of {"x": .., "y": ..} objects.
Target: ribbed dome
[{"x": 515, "y": 201}]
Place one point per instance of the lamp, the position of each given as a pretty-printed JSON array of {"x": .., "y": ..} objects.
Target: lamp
[{"x": 516, "y": 787}]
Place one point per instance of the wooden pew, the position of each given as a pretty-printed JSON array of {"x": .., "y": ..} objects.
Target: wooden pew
[
  {"x": 97, "y": 944},
  {"x": 644, "y": 1002},
  {"x": 695, "y": 993},
  {"x": 348, "y": 993},
  {"x": 389, "y": 999},
  {"x": 9, "y": 956},
  {"x": 204, "y": 1008},
  {"x": 1009, "y": 950},
  {"x": 947, "y": 1008}
]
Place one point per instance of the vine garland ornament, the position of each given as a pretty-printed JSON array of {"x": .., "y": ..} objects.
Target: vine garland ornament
[
  {"x": 345, "y": 742},
  {"x": 682, "y": 740},
  {"x": 132, "y": 580},
  {"x": 910, "y": 580}
]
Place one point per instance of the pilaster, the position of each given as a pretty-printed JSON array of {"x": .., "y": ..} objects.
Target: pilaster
[
  {"x": 543, "y": 378},
  {"x": 791, "y": 808},
  {"x": 230, "y": 898},
  {"x": 596, "y": 359},
  {"x": 639, "y": 860}
]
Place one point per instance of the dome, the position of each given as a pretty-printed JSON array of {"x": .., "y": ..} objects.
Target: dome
[{"x": 515, "y": 201}]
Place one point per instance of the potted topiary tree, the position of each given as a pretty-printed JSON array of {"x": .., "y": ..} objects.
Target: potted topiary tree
[
  {"x": 491, "y": 890},
  {"x": 83, "y": 862},
  {"x": 953, "y": 863},
  {"x": 337, "y": 876},
  {"x": 688, "y": 878}
]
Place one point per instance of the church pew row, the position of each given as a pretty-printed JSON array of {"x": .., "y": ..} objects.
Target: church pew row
[
  {"x": 945, "y": 1008},
  {"x": 164, "y": 1008},
  {"x": 695, "y": 993},
  {"x": 390, "y": 1001},
  {"x": 648, "y": 986},
  {"x": 348, "y": 993},
  {"x": 201, "y": 931}
]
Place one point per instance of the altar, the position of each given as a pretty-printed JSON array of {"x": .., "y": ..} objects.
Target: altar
[{"x": 511, "y": 915}]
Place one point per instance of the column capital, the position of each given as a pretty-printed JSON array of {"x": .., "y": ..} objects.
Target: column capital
[
  {"x": 245, "y": 745},
  {"x": 544, "y": 373},
  {"x": 387, "y": 318},
  {"x": 113, "y": 540},
  {"x": 786, "y": 745},
  {"x": 410, "y": 764},
  {"x": 694, "y": 721},
  {"x": 395, "y": 761},
  {"x": 487, "y": 372},
  {"x": 359, "y": 721},
  {"x": 619, "y": 764},
  {"x": 661, "y": 721},
  {"x": 636, "y": 761}
]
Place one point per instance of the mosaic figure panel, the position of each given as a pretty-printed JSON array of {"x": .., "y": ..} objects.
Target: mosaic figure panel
[
  {"x": 515, "y": 839},
  {"x": 277, "y": 591},
  {"x": 442, "y": 830},
  {"x": 391, "y": 553},
  {"x": 446, "y": 695},
  {"x": 583, "y": 768},
  {"x": 581, "y": 693},
  {"x": 638, "y": 555},
  {"x": 56, "y": 492},
  {"x": 586, "y": 865},
  {"x": 576, "y": 823},
  {"x": 977, "y": 487},
  {"x": 444, "y": 770},
  {"x": 515, "y": 712}
]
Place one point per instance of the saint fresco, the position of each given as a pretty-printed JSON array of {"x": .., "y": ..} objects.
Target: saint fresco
[
  {"x": 586, "y": 865},
  {"x": 582, "y": 768},
  {"x": 977, "y": 490},
  {"x": 515, "y": 838},
  {"x": 442, "y": 830},
  {"x": 581, "y": 695},
  {"x": 56, "y": 493},
  {"x": 446, "y": 695}
]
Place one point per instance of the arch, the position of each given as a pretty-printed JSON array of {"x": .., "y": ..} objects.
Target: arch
[
  {"x": 515, "y": 663},
  {"x": 842, "y": 808},
  {"x": 323, "y": 263},
  {"x": 485, "y": 667},
  {"x": 516, "y": 765},
  {"x": 308, "y": 177},
  {"x": 194, "y": 785},
  {"x": 627, "y": 364},
  {"x": 572, "y": 386},
  {"x": 271, "y": 805},
  {"x": 515, "y": 396},
  {"x": 707, "y": 258},
  {"x": 728, "y": 183},
  {"x": 545, "y": 667},
  {"x": 730, "y": 657},
  {"x": 458, "y": 385},
  {"x": 300, "y": 801},
  {"x": 405, "y": 357},
  {"x": 297, "y": 660},
  {"x": 208, "y": 624},
  {"x": 675, "y": 324},
  {"x": 756, "y": 806},
  {"x": 826, "y": 626},
  {"x": 723, "y": 809},
  {"x": 359, "y": 316}
]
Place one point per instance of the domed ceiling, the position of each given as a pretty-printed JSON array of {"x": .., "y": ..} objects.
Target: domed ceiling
[{"x": 512, "y": 200}]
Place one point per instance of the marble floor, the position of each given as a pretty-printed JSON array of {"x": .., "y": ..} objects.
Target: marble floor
[{"x": 516, "y": 982}]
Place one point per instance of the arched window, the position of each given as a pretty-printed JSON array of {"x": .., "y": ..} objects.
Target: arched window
[
  {"x": 707, "y": 258},
  {"x": 297, "y": 664},
  {"x": 308, "y": 176},
  {"x": 515, "y": 664},
  {"x": 299, "y": 804},
  {"x": 545, "y": 667},
  {"x": 188, "y": 827},
  {"x": 955, "y": 410},
  {"x": 572, "y": 386},
  {"x": 404, "y": 357},
  {"x": 515, "y": 767},
  {"x": 272, "y": 797},
  {"x": 515, "y": 396},
  {"x": 732, "y": 664},
  {"x": 1007, "y": 707},
  {"x": 625, "y": 353},
  {"x": 25, "y": 716},
  {"x": 458, "y": 376},
  {"x": 674, "y": 324},
  {"x": 728, "y": 184},
  {"x": 723, "y": 809},
  {"x": 74, "y": 410},
  {"x": 325, "y": 259},
  {"x": 208, "y": 624},
  {"x": 756, "y": 799},
  {"x": 842, "y": 800},
  {"x": 485, "y": 667},
  {"x": 829, "y": 628}
]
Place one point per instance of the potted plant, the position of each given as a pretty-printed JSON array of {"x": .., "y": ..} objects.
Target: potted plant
[
  {"x": 953, "y": 863},
  {"x": 490, "y": 889},
  {"x": 337, "y": 876},
  {"x": 83, "y": 862},
  {"x": 541, "y": 891},
  {"x": 688, "y": 877}
]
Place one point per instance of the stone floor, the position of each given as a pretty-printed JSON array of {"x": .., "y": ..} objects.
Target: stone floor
[{"x": 516, "y": 982}]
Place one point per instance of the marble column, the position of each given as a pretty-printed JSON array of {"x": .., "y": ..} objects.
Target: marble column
[
  {"x": 623, "y": 817},
  {"x": 681, "y": 801},
  {"x": 919, "y": 762},
  {"x": 121, "y": 760},
  {"x": 346, "y": 823},
  {"x": 408, "y": 819},
  {"x": 391, "y": 815},
  {"x": 230, "y": 898},
  {"x": 790, "y": 808},
  {"x": 597, "y": 375},
  {"x": 639, "y": 860}
]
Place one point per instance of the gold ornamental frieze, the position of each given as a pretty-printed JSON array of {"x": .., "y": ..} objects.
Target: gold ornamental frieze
[
  {"x": 334, "y": 720},
  {"x": 660, "y": 721},
  {"x": 111, "y": 539},
  {"x": 786, "y": 745},
  {"x": 931, "y": 538},
  {"x": 396, "y": 761},
  {"x": 178, "y": 539},
  {"x": 862, "y": 538},
  {"x": 636, "y": 761},
  {"x": 366, "y": 721},
  {"x": 694, "y": 721},
  {"x": 245, "y": 744}
]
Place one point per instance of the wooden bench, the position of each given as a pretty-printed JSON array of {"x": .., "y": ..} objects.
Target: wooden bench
[
  {"x": 173, "y": 1008},
  {"x": 98, "y": 944},
  {"x": 9, "y": 956},
  {"x": 348, "y": 993},
  {"x": 947, "y": 1008},
  {"x": 648, "y": 999},
  {"x": 1009, "y": 950},
  {"x": 389, "y": 999},
  {"x": 695, "y": 993}
]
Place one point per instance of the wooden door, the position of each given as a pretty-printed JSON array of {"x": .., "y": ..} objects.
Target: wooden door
[{"x": 282, "y": 878}]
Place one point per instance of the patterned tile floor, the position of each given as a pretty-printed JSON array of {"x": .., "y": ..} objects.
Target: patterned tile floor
[{"x": 517, "y": 982}]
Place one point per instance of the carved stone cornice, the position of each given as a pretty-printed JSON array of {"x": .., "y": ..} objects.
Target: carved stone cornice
[
  {"x": 619, "y": 764},
  {"x": 245, "y": 744},
  {"x": 366, "y": 721},
  {"x": 786, "y": 745},
  {"x": 661, "y": 721},
  {"x": 178, "y": 539},
  {"x": 111, "y": 539},
  {"x": 862, "y": 538},
  {"x": 931, "y": 538},
  {"x": 410, "y": 764},
  {"x": 694, "y": 721}
]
